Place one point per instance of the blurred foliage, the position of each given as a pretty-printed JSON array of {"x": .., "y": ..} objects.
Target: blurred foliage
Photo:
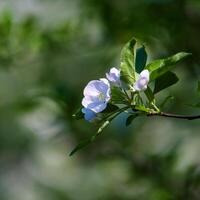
[{"x": 43, "y": 68}]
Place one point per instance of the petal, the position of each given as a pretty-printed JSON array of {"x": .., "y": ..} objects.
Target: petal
[
  {"x": 89, "y": 115},
  {"x": 91, "y": 88},
  {"x": 97, "y": 106},
  {"x": 145, "y": 74},
  {"x": 114, "y": 76},
  {"x": 88, "y": 100},
  {"x": 105, "y": 81},
  {"x": 141, "y": 84},
  {"x": 115, "y": 71}
]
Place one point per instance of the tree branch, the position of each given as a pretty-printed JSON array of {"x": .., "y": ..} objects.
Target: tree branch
[{"x": 170, "y": 115}]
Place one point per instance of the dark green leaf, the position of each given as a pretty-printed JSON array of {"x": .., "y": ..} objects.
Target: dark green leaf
[
  {"x": 130, "y": 119},
  {"x": 168, "y": 98},
  {"x": 127, "y": 62},
  {"x": 159, "y": 67},
  {"x": 110, "y": 108},
  {"x": 141, "y": 59},
  {"x": 165, "y": 81},
  {"x": 78, "y": 114},
  {"x": 117, "y": 95},
  {"x": 149, "y": 94},
  {"x": 103, "y": 125},
  {"x": 81, "y": 145},
  {"x": 86, "y": 142}
]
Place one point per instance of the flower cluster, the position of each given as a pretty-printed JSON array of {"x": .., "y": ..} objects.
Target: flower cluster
[
  {"x": 97, "y": 93},
  {"x": 126, "y": 89}
]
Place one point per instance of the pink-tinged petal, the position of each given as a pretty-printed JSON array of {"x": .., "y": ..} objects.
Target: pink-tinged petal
[
  {"x": 141, "y": 84},
  {"x": 114, "y": 76},
  {"x": 145, "y": 74},
  {"x": 91, "y": 88}
]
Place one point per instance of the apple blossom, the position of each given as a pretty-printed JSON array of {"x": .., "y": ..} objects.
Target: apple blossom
[
  {"x": 96, "y": 95},
  {"x": 114, "y": 76},
  {"x": 142, "y": 82}
]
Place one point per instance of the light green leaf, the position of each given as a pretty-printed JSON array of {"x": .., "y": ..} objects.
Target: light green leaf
[
  {"x": 166, "y": 80},
  {"x": 103, "y": 126},
  {"x": 127, "y": 63},
  {"x": 159, "y": 67},
  {"x": 141, "y": 59}
]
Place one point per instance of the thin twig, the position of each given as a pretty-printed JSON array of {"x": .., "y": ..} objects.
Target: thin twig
[{"x": 170, "y": 115}]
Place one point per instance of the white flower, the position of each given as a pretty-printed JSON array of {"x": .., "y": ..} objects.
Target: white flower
[
  {"x": 96, "y": 95},
  {"x": 89, "y": 115},
  {"x": 142, "y": 82},
  {"x": 114, "y": 76}
]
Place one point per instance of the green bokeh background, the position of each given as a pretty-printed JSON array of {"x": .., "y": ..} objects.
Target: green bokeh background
[{"x": 49, "y": 50}]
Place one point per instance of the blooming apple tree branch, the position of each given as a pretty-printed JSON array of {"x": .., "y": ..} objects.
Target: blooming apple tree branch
[{"x": 127, "y": 89}]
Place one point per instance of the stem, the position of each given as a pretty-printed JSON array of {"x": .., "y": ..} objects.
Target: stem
[{"x": 170, "y": 115}]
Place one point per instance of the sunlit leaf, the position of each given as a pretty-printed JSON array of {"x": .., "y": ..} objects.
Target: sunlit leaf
[
  {"x": 127, "y": 63},
  {"x": 166, "y": 80},
  {"x": 141, "y": 59},
  {"x": 159, "y": 67}
]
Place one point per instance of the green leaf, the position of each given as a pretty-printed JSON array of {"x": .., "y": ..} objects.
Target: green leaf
[
  {"x": 117, "y": 96},
  {"x": 165, "y": 101},
  {"x": 166, "y": 80},
  {"x": 110, "y": 108},
  {"x": 86, "y": 142},
  {"x": 78, "y": 114},
  {"x": 81, "y": 145},
  {"x": 149, "y": 94},
  {"x": 103, "y": 125},
  {"x": 127, "y": 63},
  {"x": 141, "y": 108},
  {"x": 130, "y": 119},
  {"x": 141, "y": 59},
  {"x": 159, "y": 67}
]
